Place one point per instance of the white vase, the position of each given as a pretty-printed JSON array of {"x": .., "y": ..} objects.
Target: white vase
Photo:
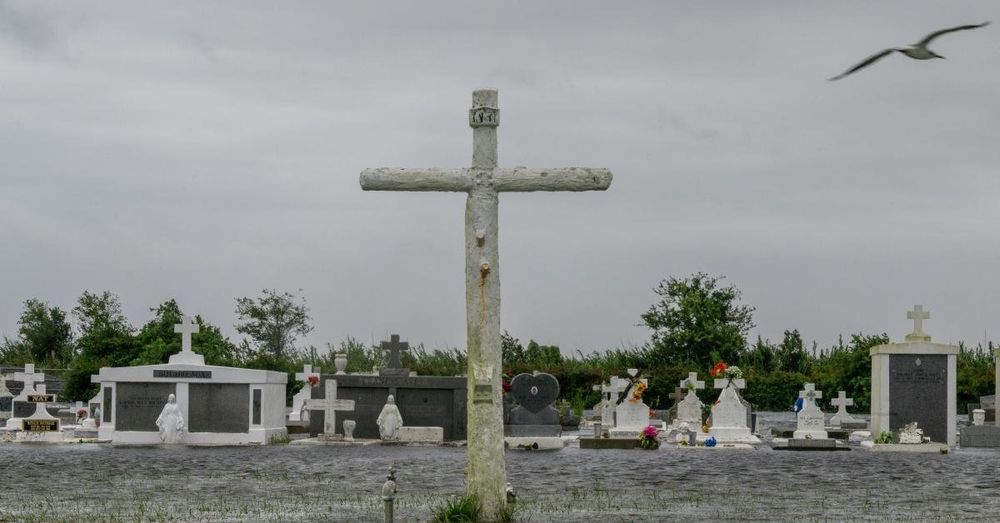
[{"x": 340, "y": 361}]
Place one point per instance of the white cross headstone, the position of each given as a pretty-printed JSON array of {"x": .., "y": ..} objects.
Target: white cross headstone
[
  {"x": 730, "y": 413},
  {"x": 809, "y": 421},
  {"x": 483, "y": 182},
  {"x": 186, "y": 356},
  {"x": 689, "y": 408},
  {"x": 841, "y": 402},
  {"x": 30, "y": 378},
  {"x": 330, "y": 405},
  {"x": 299, "y": 412},
  {"x": 918, "y": 315}
]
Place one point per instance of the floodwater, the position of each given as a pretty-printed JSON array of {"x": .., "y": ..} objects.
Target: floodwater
[{"x": 92, "y": 482}]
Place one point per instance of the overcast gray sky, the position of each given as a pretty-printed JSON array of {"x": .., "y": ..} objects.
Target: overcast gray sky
[{"x": 204, "y": 151}]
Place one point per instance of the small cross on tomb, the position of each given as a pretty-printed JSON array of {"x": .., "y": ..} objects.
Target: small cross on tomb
[
  {"x": 186, "y": 328},
  {"x": 29, "y": 377},
  {"x": 678, "y": 394},
  {"x": 918, "y": 315},
  {"x": 691, "y": 382},
  {"x": 330, "y": 405},
  {"x": 810, "y": 393},
  {"x": 394, "y": 346},
  {"x": 307, "y": 371},
  {"x": 842, "y": 402}
]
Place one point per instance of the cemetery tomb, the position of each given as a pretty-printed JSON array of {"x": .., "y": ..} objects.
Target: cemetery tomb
[
  {"x": 220, "y": 405},
  {"x": 423, "y": 401},
  {"x": 631, "y": 413},
  {"x": 730, "y": 414},
  {"x": 914, "y": 381}
]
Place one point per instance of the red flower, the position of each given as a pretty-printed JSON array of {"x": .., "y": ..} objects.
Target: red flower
[
  {"x": 506, "y": 386},
  {"x": 718, "y": 368},
  {"x": 649, "y": 431},
  {"x": 313, "y": 380}
]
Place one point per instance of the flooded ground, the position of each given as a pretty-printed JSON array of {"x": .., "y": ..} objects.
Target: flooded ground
[{"x": 90, "y": 482}]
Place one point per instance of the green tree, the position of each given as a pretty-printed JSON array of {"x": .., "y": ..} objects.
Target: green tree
[
  {"x": 45, "y": 334},
  {"x": 106, "y": 340},
  {"x": 792, "y": 355},
  {"x": 157, "y": 340},
  {"x": 697, "y": 321},
  {"x": 542, "y": 356},
  {"x": 511, "y": 350},
  {"x": 273, "y": 322}
]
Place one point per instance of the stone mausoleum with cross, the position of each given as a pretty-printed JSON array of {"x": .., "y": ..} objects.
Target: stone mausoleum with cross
[
  {"x": 220, "y": 405},
  {"x": 915, "y": 380},
  {"x": 423, "y": 401}
]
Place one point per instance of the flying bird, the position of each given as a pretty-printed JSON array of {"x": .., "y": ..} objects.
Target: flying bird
[{"x": 917, "y": 51}]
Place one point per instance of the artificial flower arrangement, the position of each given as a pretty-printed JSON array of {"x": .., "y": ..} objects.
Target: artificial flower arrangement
[
  {"x": 81, "y": 414},
  {"x": 313, "y": 380},
  {"x": 725, "y": 371},
  {"x": 637, "y": 391},
  {"x": 648, "y": 439}
]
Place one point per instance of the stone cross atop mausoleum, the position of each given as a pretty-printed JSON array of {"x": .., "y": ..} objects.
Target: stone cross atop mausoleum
[
  {"x": 186, "y": 328},
  {"x": 483, "y": 182},
  {"x": 29, "y": 377},
  {"x": 394, "y": 347},
  {"x": 918, "y": 315}
]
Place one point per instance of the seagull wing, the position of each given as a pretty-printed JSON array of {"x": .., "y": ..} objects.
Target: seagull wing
[
  {"x": 868, "y": 61},
  {"x": 927, "y": 39}
]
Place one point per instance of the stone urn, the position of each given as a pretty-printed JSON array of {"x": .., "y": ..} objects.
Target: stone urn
[
  {"x": 340, "y": 361},
  {"x": 349, "y": 425}
]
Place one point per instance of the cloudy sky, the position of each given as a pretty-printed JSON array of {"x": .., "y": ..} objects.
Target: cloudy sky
[{"x": 204, "y": 151}]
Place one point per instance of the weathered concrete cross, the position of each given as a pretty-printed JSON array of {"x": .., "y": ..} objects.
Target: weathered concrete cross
[
  {"x": 29, "y": 377},
  {"x": 918, "y": 315},
  {"x": 330, "y": 405},
  {"x": 483, "y": 182}
]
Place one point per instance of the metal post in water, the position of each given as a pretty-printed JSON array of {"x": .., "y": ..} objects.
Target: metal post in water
[{"x": 389, "y": 493}]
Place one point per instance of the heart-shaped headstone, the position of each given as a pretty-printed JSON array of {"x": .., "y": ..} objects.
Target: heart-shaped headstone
[{"x": 534, "y": 392}]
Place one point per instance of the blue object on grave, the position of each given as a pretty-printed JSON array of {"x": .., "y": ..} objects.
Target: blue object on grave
[
  {"x": 798, "y": 405},
  {"x": 710, "y": 442}
]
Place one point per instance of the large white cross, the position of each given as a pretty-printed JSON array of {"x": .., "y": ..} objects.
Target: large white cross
[
  {"x": 29, "y": 377},
  {"x": 186, "y": 328},
  {"x": 918, "y": 315},
  {"x": 810, "y": 392},
  {"x": 691, "y": 382},
  {"x": 330, "y": 405},
  {"x": 307, "y": 371},
  {"x": 483, "y": 182}
]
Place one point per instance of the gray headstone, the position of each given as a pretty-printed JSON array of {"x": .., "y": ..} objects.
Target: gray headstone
[
  {"x": 534, "y": 392},
  {"x": 218, "y": 407},
  {"x": 138, "y": 405},
  {"x": 918, "y": 391}
]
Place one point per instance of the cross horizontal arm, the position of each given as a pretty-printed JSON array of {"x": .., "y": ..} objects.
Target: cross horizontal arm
[
  {"x": 522, "y": 179},
  {"x": 384, "y": 179}
]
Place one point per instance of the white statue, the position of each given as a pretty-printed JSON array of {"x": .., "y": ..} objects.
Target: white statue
[
  {"x": 389, "y": 420},
  {"x": 171, "y": 422}
]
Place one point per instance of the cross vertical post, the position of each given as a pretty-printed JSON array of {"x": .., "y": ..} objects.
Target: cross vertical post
[{"x": 486, "y": 475}]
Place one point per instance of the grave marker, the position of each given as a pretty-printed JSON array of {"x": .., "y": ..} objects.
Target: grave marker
[
  {"x": 395, "y": 366},
  {"x": 842, "y": 416}
]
